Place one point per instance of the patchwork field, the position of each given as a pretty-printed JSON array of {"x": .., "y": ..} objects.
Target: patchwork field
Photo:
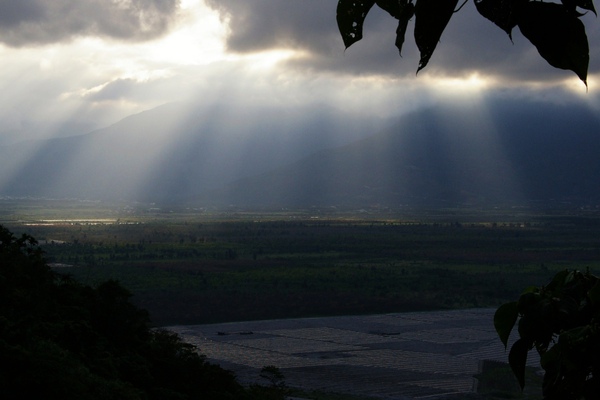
[
  {"x": 192, "y": 266},
  {"x": 420, "y": 355},
  {"x": 369, "y": 304}
]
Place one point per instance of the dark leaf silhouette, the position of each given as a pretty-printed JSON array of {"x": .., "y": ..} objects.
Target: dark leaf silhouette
[
  {"x": 554, "y": 29},
  {"x": 517, "y": 358},
  {"x": 350, "y": 19},
  {"x": 406, "y": 13},
  {"x": 391, "y": 6},
  {"x": 587, "y": 5},
  {"x": 583, "y": 4},
  {"x": 431, "y": 18},
  {"x": 504, "y": 320},
  {"x": 561, "y": 321},
  {"x": 503, "y": 13},
  {"x": 559, "y": 36},
  {"x": 60, "y": 339}
]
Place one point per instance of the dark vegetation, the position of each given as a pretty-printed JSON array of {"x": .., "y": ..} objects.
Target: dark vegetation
[
  {"x": 561, "y": 321},
  {"x": 72, "y": 331},
  {"x": 201, "y": 268},
  {"x": 60, "y": 339},
  {"x": 496, "y": 381}
]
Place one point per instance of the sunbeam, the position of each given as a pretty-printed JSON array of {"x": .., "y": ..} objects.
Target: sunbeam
[{"x": 231, "y": 93}]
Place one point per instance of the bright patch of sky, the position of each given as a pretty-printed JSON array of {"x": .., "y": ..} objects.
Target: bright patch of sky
[{"x": 70, "y": 67}]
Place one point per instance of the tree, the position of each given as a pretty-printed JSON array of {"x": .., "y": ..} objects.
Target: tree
[
  {"x": 554, "y": 29},
  {"x": 562, "y": 322},
  {"x": 60, "y": 339}
]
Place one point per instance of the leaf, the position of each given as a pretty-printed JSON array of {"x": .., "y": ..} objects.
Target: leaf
[
  {"x": 567, "y": 307},
  {"x": 584, "y": 4},
  {"x": 431, "y": 18},
  {"x": 529, "y": 327},
  {"x": 503, "y": 13},
  {"x": 558, "y": 280},
  {"x": 391, "y": 6},
  {"x": 517, "y": 358},
  {"x": 531, "y": 289},
  {"x": 594, "y": 293},
  {"x": 527, "y": 302},
  {"x": 550, "y": 357},
  {"x": 406, "y": 13},
  {"x": 571, "y": 277},
  {"x": 350, "y": 17},
  {"x": 574, "y": 337},
  {"x": 504, "y": 320},
  {"x": 558, "y": 35}
]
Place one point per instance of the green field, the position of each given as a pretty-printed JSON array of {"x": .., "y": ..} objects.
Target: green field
[{"x": 198, "y": 266}]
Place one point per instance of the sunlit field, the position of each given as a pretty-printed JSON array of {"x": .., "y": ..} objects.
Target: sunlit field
[{"x": 193, "y": 265}]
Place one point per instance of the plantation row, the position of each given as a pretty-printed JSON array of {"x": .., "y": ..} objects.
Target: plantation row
[{"x": 196, "y": 271}]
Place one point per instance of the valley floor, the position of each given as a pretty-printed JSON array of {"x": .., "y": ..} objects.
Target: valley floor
[{"x": 419, "y": 355}]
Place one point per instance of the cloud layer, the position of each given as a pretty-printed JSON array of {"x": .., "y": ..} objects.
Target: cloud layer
[
  {"x": 35, "y": 22},
  {"x": 74, "y": 66},
  {"x": 470, "y": 43}
]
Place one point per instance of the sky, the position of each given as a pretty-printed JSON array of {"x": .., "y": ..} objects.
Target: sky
[{"x": 72, "y": 66}]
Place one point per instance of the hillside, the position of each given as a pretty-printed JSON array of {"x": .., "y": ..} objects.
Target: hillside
[
  {"x": 174, "y": 152},
  {"x": 450, "y": 156},
  {"x": 463, "y": 155}
]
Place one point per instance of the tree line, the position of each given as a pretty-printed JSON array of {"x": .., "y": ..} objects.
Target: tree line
[{"x": 60, "y": 339}]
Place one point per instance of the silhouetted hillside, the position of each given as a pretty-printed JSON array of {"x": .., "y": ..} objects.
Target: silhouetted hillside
[
  {"x": 174, "y": 152},
  {"x": 541, "y": 154},
  {"x": 60, "y": 339},
  {"x": 486, "y": 154}
]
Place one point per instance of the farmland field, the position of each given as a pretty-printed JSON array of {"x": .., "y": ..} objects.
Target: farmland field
[
  {"x": 419, "y": 355},
  {"x": 196, "y": 266}
]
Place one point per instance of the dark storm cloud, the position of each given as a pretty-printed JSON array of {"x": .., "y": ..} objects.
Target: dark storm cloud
[
  {"x": 470, "y": 43},
  {"x": 309, "y": 25},
  {"x": 263, "y": 24},
  {"x": 27, "y": 22}
]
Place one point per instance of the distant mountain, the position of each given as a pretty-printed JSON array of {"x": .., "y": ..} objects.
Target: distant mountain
[
  {"x": 498, "y": 153},
  {"x": 175, "y": 152},
  {"x": 494, "y": 152}
]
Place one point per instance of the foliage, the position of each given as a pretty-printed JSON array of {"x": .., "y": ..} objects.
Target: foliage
[
  {"x": 554, "y": 29},
  {"x": 276, "y": 388},
  {"x": 60, "y": 339},
  {"x": 562, "y": 322},
  {"x": 195, "y": 270},
  {"x": 273, "y": 375}
]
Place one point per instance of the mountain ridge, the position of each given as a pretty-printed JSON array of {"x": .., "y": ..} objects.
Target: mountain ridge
[
  {"x": 173, "y": 152},
  {"x": 445, "y": 157},
  {"x": 467, "y": 154}
]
